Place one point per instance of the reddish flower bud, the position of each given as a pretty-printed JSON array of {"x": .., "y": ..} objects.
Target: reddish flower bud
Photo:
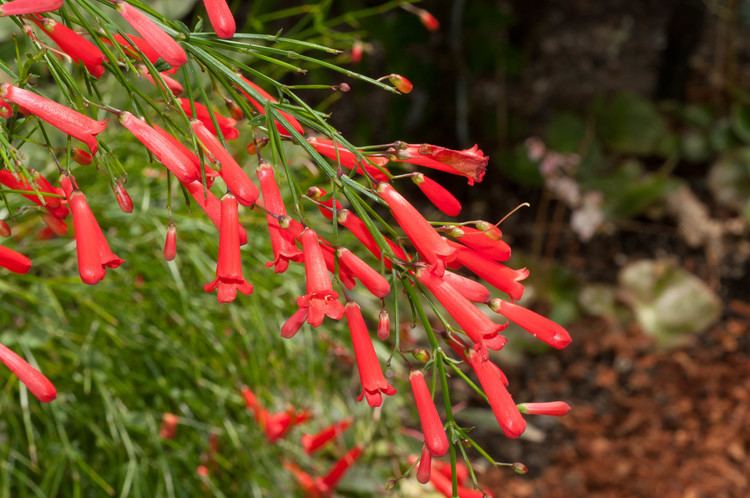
[
  {"x": 370, "y": 373},
  {"x": 428, "y": 20},
  {"x": 168, "y": 428},
  {"x": 202, "y": 471},
  {"x": 260, "y": 106},
  {"x": 5, "y": 230},
  {"x": 162, "y": 148},
  {"x": 38, "y": 384},
  {"x": 401, "y": 83},
  {"x": 294, "y": 323},
  {"x": 384, "y": 325},
  {"x": 226, "y": 125},
  {"x": 321, "y": 300},
  {"x": 63, "y": 118},
  {"x": 210, "y": 205},
  {"x": 540, "y": 327},
  {"x": 368, "y": 276},
  {"x": 488, "y": 243},
  {"x": 123, "y": 197},
  {"x": 552, "y": 408},
  {"x": 329, "y": 482},
  {"x": 358, "y": 50},
  {"x": 471, "y": 319},
  {"x": 234, "y": 176},
  {"x": 348, "y": 159},
  {"x": 506, "y": 412},
  {"x": 313, "y": 442},
  {"x": 76, "y": 46},
  {"x": 221, "y": 18},
  {"x": 14, "y": 261},
  {"x": 170, "y": 243},
  {"x": 435, "y": 438},
  {"x": 430, "y": 245},
  {"x": 82, "y": 157},
  {"x": 438, "y": 195},
  {"x": 496, "y": 274},
  {"x": 284, "y": 250},
  {"x": 424, "y": 468},
  {"x": 470, "y": 289},
  {"x": 169, "y": 50},
  {"x": 229, "y": 277},
  {"x": 24, "y": 7},
  {"x": 471, "y": 163}
]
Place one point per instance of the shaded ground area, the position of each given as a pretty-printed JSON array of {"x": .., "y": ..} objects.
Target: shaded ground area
[{"x": 645, "y": 423}]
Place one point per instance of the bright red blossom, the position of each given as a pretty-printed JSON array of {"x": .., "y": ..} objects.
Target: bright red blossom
[
  {"x": 540, "y": 327},
  {"x": 368, "y": 276},
  {"x": 435, "y": 438},
  {"x": 170, "y": 243},
  {"x": 348, "y": 159},
  {"x": 424, "y": 467},
  {"x": 210, "y": 205},
  {"x": 428, "y": 20},
  {"x": 226, "y": 125},
  {"x": 471, "y": 163},
  {"x": 438, "y": 195},
  {"x": 283, "y": 248},
  {"x": 123, "y": 197},
  {"x": 552, "y": 408},
  {"x": 169, "y": 50},
  {"x": 313, "y": 442},
  {"x": 221, "y": 18},
  {"x": 329, "y": 482},
  {"x": 470, "y": 289},
  {"x": 76, "y": 46},
  {"x": 24, "y": 7},
  {"x": 321, "y": 300},
  {"x": 496, "y": 274},
  {"x": 14, "y": 261},
  {"x": 38, "y": 384}
]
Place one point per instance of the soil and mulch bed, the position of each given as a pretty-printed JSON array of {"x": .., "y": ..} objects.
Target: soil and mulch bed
[{"x": 646, "y": 423}]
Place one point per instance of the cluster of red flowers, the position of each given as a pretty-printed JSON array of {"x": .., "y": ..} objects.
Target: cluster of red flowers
[{"x": 438, "y": 253}]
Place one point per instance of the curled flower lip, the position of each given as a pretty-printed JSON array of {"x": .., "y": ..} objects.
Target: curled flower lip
[
  {"x": 321, "y": 300},
  {"x": 471, "y": 162}
]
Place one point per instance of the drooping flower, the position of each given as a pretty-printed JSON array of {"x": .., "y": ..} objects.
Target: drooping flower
[
  {"x": 162, "y": 148},
  {"x": 56, "y": 225},
  {"x": 284, "y": 249},
  {"x": 202, "y": 167},
  {"x": 73, "y": 44},
  {"x": 537, "y": 325},
  {"x": 401, "y": 83},
  {"x": 6, "y": 111},
  {"x": 63, "y": 118},
  {"x": 306, "y": 482},
  {"x": 496, "y": 274},
  {"x": 25, "y": 7},
  {"x": 506, "y": 412},
  {"x": 82, "y": 157},
  {"x": 488, "y": 243},
  {"x": 367, "y": 275},
  {"x": 348, "y": 159},
  {"x": 279, "y": 424},
  {"x": 14, "y": 261},
  {"x": 435, "y": 438},
  {"x": 359, "y": 229},
  {"x": 321, "y": 300},
  {"x": 164, "y": 80},
  {"x": 470, "y": 289},
  {"x": 136, "y": 47},
  {"x": 438, "y": 195},
  {"x": 229, "y": 278},
  {"x": 292, "y": 325},
  {"x": 430, "y": 245},
  {"x": 313, "y": 442},
  {"x": 471, "y": 319},
  {"x": 169, "y": 422},
  {"x": 428, "y": 20},
  {"x": 259, "y": 411},
  {"x": 329, "y": 482},
  {"x": 226, "y": 125},
  {"x": 462, "y": 471},
  {"x": 221, "y": 18},
  {"x": 33, "y": 379},
  {"x": 210, "y": 205},
  {"x": 260, "y": 106},
  {"x": 232, "y": 173},
  {"x": 37, "y": 187},
  {"x": 444, "y": 486},
  {"x": 123, "y": 197},
  {"x": 551, "y": 408},
  {"x": 170, "y": 243},
  {"x": 371, "y": 376},
  {"x": 384, "y": 325},
  {"x": 470, "y": 163},
  {"x": 424, "y": 467},
  {"x": 168, "y": 49}
]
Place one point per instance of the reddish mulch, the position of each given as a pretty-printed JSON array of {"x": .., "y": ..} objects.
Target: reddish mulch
[{"x": 646, "y": 423}]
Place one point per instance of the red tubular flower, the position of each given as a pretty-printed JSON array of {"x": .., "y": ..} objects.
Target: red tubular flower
[
  {"x": 368, "y": 276},
  {"x": 552, "y": 408},
  {"x": 329, "y": 482},
  {"x": 169, "y": 50},
  {"x": 203, "y": 169},
  {"x": 55, "y": 224},
  {"x": 236, "y": 179},
  {"x": 284, "y": 250},
  {"x": 432, "y": 427},
  {"x": 401, "y": 83},
  {"x": 260, "y": 106},
  {"x": 358, "y": 228},
  {"x": 279, "y": 424},
  {"x": 14, "y": 261},
  {"x": 169, "y": 422},
  {"x": 358, "y": 50},
  {"x": 306, "y": 481},
  {"x": 321, "y": 300},
  {"x": 329, "y": 254},
  {"x": 430, "y": 245},
  {"x": 162, "y": 148},
  {"x": 25, "y": 7},
  {"x": 259, "y": 412},
  {"x": 438, "y": 195},
  {"x": 170, "y": 243},
  {"x": 123, "y": 197},
  {"x": 428, "y": 20},
  {"x": 470, "y": 289},
  {"x": 326, "y": 205},
  {"x": 165, "y": 80},
  {"x": 488, "y": 243},
  {"x": 506, "y": 412},
  {"x": 347, "y": 159},
  {"x": 370, "y": 374},
  {"x": 136, "y": 47},
  {"x": 471, "y": 163},
  {"x": 5, "y": 230},
  {"x": 496, "y": 274},
  {"x": 76, "y": 46},
  {"x": 424, "y": 468},
  {"x": 444, "y": 485},
  {"x": 38, "y": 184},
  {"x": 221, "y": 18},
  {"x": 471, "y": 319},
  {"x": 384, "y": 325},
  {"x": 462, "y": 471},
  {"x": 61, "y": 117},
  {"x": 294, "y": 323},
  {"x": 82, "y": 157},
  {"x": 226, "y": 125},
  {"x": 313, "y": 442},
  {"x": 38, "y": 384},
  {"x": 210, "y": 205},
  {"x": 540, "y": 327},
  {"x": 229, "y": 277}
]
